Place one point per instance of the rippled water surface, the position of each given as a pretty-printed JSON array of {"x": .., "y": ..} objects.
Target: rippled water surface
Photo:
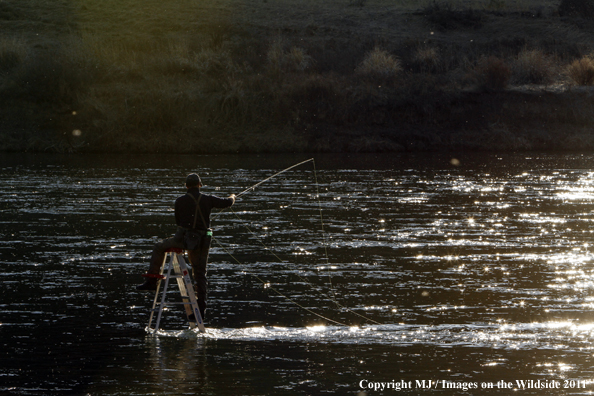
[{"x": 329, "y": 279}]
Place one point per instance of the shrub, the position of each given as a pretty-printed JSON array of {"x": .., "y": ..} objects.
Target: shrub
[
  {"x": 580, "y": 8},
  {"x": 233, "y": 106},
  {"x": 533, "y": 67},
  {"x": 218, "y": 34},
  {"x": 427, "y": 59},
  {"x": 492, "y": 73},
  {"x": 581, "y": 71},
  {"x": 380, "y": 64},
  {"x": 178, "y": 59},
  {"x": 317, "y": 97},
  {"x": 215, "y": 63},
  {"x": 296, "y": 59}
]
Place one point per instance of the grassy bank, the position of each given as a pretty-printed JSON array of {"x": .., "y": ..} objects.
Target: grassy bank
[{"x": 294, "y": 75}]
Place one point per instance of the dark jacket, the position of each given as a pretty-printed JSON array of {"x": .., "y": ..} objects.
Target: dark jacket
[{"x": 185, "y": 208}]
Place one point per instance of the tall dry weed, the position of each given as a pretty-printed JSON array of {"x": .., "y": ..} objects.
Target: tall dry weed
[
  {"x": 581, "y": 71},
  {"x": 533, "y": 67},
  {"x": 492, "y": 73},
  {"x": 113, "y": 55},
  {"x": 427, "y": 59},
  {"x": 298, "y": 60},
  {"x": 215, "y": 62},
  {"x": 316, "y": 98},
  {"x": 179, "y": 58},
  {"x": 380, "y": 64},
  {"x": 294, "y": 60},
  {"x": 232, "y": 104}
]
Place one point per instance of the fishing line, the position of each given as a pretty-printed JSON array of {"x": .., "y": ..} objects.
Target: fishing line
[
  {"x": 325, "y": 245},
  {"x": 264, "y": 283},
  {"x": 315, "y": 287},
  {"x": 325, "y": 241}
]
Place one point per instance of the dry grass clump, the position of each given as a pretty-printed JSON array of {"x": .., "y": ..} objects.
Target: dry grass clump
[
  {"x": 293, "y": 60},
  {"x": 315, "y": 98},
  {"x": 533, "y": 67},
  {"x": 380, "y": 64},
  {"x": 581, "y": 71},
  {"x": 215, "y": 63},
  {"x": 492, "y": 73},
  {"x": 298, "y": 60},
  {"x": 427, "y": 59},
  {"x": 131, "y": 60},
  {"x": 178, "y": 58}
]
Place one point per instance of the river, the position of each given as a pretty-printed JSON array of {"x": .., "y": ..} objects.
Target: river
[{"x": 348, "y": 275}]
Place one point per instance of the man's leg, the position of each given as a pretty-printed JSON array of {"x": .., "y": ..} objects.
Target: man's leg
[
  {"x": 157, "y": 258},
  {"x": 199, "y": 259}
]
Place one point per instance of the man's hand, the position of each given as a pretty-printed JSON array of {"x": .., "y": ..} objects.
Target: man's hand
[{"x": 232, "y": 196}]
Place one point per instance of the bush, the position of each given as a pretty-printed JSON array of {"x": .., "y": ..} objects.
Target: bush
[
  {"x": 581, "y": 71},
  {"x": 427, "y": 59},
  {"x": 296, "y": 59},
  {"x": 492, "y": 73},
  {"x": 533, "y": 67},
  {"x": 580, "y": 8},
  {"x": 317, "y": 97},
  {"x": 381, "y": 65}
]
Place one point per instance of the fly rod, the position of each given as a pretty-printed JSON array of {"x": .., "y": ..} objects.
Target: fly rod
[{"x": 268, "y": 178}]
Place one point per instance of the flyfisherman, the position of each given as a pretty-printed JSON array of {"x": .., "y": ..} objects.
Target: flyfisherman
[{"x": 192, "y": 215}]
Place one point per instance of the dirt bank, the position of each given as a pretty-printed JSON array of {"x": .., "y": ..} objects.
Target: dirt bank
[{"x": 287, "y": 76}]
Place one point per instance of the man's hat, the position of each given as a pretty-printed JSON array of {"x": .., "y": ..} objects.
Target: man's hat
[{"x": 193, "y": 180}]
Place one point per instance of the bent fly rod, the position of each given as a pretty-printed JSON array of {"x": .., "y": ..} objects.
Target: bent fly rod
[
  {"x": 252, "y": 188},
  {"x": 268, "y": 178}
]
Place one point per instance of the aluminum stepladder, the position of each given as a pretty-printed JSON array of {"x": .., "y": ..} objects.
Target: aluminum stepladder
[{"x": 177, "y": 268}]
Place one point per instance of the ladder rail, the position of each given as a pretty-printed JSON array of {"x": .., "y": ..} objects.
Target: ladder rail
[
  {"x": 157, "y": 294},
  {"x": 177, "y": 266},
  {"x": 191, "y": 295},
  {"x": 163, "y": 297}
]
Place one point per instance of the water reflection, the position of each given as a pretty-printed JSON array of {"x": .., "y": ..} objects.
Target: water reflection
[{"x": 479, "y": 271}]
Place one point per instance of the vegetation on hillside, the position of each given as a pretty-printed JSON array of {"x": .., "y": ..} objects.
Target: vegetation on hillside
[{"x": 288, "y": 75}]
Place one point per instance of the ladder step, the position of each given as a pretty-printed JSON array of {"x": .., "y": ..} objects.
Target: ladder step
[{"x": 168, "y": 304}]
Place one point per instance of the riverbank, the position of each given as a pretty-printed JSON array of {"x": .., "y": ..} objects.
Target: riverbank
[{"x": 290, "y": 76}]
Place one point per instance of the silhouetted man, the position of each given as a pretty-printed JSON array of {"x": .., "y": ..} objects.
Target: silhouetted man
[{"x": 192, "y": 215}]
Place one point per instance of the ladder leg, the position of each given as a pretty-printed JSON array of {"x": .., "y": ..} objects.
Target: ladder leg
[
  {"x": 162, "y": 305},
  {"x": 196, "y": 319},
  {"x": 157, "y": 295},
  {"x": 181, "y": 269}
]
